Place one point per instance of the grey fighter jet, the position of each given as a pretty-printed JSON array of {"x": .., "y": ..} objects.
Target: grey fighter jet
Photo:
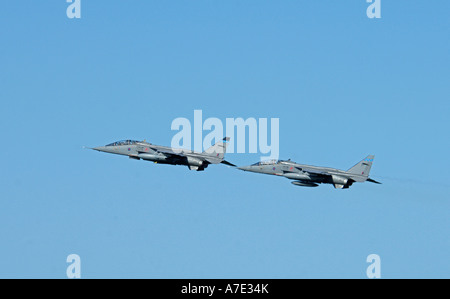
[
  {"x": 166, "y": 155},
  {"x": 312, "y": 176}
]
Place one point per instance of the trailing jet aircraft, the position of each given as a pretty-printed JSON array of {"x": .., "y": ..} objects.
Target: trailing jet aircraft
[
  {"x": 166, "y": 155},
  {"x": 312, "y": 176}
]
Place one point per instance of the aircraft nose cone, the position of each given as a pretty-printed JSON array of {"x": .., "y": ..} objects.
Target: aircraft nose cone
[
  {"x": 99, "y": 148},
  {"x": 244, "y": 168}
]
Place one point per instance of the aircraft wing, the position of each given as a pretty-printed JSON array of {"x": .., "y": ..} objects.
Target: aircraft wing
[
  {"x": 313, "y": 171},
  {"x": 168, "y": 151},
  {"x": 151, "y": 149},
  {"x": 182, "y": 154}
]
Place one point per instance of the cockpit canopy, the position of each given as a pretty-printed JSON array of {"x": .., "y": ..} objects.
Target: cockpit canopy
[
  {"x": 267, "y": 162},
  {"x": 123, "y": 142},
  {"x": 270, "y": 162}
]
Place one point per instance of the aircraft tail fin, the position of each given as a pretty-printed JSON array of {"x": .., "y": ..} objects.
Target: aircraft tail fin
[
  {"x": 218, "y": 150},
  {"x": 363, "y": 167}
]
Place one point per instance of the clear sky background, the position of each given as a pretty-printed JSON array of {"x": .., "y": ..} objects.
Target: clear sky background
[{"x": 343, "y": 86}]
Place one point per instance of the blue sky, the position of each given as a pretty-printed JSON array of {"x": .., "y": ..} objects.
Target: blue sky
[{"x": 343, "y": 86}]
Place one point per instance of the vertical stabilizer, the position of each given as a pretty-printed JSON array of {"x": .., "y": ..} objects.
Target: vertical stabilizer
[
  {"x": 218, "y": 150},
  {"x": 363, "y": 167}
]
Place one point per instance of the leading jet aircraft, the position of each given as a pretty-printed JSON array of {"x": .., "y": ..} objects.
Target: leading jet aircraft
[
  {"x": 166, "y": 155},
  {"x": 312, "y": 176}
]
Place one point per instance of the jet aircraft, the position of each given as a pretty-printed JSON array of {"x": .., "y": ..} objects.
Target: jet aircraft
[
  {"x": 166, "y": 155},
  {"x": 312, "y": 176}
]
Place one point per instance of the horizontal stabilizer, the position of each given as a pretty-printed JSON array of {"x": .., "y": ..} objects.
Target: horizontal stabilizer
[
  {"x": 228, "y": 163},
  {"x": 373, "y": 181}
]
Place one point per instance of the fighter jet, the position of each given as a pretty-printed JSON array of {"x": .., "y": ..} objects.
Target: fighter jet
[
  {"x": 166, "y": 155},
  {"x": 312, "y": 176}
]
